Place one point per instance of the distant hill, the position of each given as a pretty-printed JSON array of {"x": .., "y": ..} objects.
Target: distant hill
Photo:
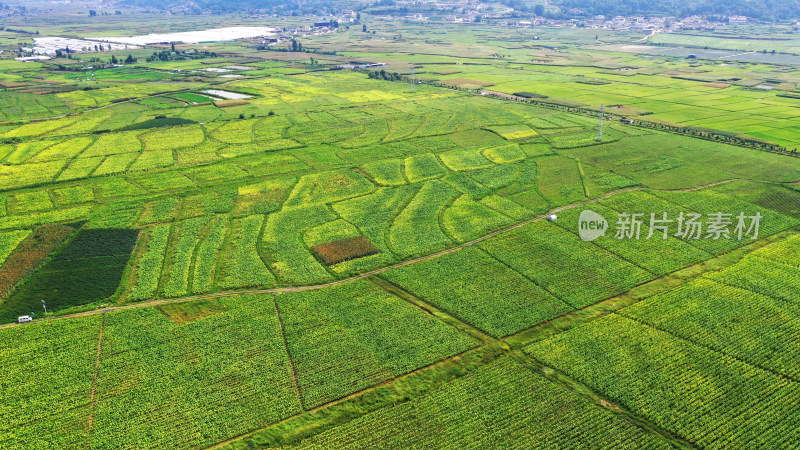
[
  {"x": 761, "y": 9},
  {"x": 285, "y": 6}
]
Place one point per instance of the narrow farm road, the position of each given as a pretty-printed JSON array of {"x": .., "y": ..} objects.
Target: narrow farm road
[{"x": 281, "y": 290}]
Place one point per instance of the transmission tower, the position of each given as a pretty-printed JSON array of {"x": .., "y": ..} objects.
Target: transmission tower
[{"x": 600, "y": 125}]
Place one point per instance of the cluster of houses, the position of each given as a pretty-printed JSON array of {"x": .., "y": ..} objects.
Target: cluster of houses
[{"x": 633, "y": 23}]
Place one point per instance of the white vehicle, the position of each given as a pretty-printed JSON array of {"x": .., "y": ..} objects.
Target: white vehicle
[
  {"x": 552, "y": 218},
  {"x": 23, "y": 319}
]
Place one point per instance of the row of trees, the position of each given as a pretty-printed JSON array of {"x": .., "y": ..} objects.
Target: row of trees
[
  {"x": 294, "y": 46},
  {"x": 166, "y": 55},
  {"x": 129, "y": 60},
  {"x": 93, "y": 13},
  {"x": 384, "y": 75},
  {"x": 13, "y": 30}
]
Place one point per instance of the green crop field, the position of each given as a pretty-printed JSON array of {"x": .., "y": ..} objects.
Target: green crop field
[{"x": 398, "y": 255}]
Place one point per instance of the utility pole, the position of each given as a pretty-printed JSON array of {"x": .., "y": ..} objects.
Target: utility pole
[
  {"x": 600, "y": 125},
  {"x": 413, "y": 82}
]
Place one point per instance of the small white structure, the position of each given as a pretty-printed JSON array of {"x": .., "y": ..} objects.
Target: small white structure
[
  {"x": 32, "y": 58},
  {"x": 23, "y": 319},
  {"x": 226, "y": 95},
  {"x": 552, "y": 218}
]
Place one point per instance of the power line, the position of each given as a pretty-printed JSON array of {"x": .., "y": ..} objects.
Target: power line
[{"x": 600, "y": 125}]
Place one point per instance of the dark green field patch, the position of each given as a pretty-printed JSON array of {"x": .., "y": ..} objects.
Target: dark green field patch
[
  {"x": 88, "y": 270},
  {"x": 158, "y": 123},
  {"x": 193, "y": 98}
]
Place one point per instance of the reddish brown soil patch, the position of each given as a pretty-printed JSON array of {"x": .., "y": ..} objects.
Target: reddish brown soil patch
[
  {"x": 344, "y": 250},
  {"x": 30, "y": 254}
]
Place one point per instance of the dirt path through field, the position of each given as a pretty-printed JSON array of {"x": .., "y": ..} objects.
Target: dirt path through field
[
  {"x": 90, "y": 420},
  {"x": 280, "y": 290},
  {"x": 289, "y": 356}
]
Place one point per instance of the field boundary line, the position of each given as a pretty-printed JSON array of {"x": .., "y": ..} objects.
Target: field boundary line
[
  {"x": 708, "y": 347},
  {"x": 560, "y": 378},
  {"x": 609, "y": 305},
  {"x": 289, "y": 356},
  {"x": 545, "y": 289},
  {"x": 444, "y": 316},
  {"x": 367, "y": 390},
  {"x": 90, "y": 420},
  {"x": 613, "y": 252}
]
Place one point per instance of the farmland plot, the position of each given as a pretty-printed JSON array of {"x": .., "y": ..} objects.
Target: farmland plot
[
  {"x": 80, "y": 168},
  {"x": 328, "y": 187},
  {"x": 191, "y": 385},
  {"x": 559, "y": 180},
  {"x": 206, "y": 260},
  {"x": 654, "y": 253},
  {"x": 500, "y": 304},
  {"x": 501, "y": 404},
  {"x": 9, "y": 241},
  {"x": 374, "y": 212},
  {"x": 89, "y": 269},
  {"x": 172, "y": 138},
  {"x": 705, "y": 396},
  {"x": 147, "y": 269},
  {"x": 416, "y": 229},
  {"x": 423, "y": 167},
  {"x": 349, "y": 337},
  {"x": 241, "y": 264},
  {"x": 180, "y": 259},
  {"x": 56, "y": 400},
  {"x": 467, "y": 219},
  {"x": 750, "y": 326},
  {"x": 283, "y": 245},
  {"x": 565, "y": 266}
]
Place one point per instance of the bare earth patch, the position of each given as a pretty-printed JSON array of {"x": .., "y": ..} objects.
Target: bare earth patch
[
  {"x": 344, "y": 250},
  {"x": 227, "y": 103}
]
